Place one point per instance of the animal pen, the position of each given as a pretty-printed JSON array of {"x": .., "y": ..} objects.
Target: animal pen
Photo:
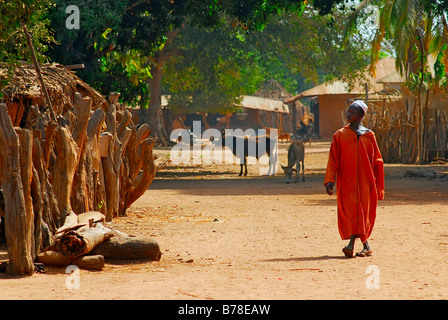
[
  {"x": 67, "y": 167},
  {"x": 397, "y": 135}
]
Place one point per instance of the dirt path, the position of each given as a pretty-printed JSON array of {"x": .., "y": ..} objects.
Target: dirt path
[{"x": 225, "y": 237}]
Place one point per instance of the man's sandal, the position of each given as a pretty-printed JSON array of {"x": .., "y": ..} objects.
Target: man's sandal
[
  {"x": 348, "y": 252},
  {"x": 364, "y": 253}
]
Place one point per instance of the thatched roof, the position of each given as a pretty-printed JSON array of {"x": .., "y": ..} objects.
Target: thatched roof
[
  {"x": 61, "y": 84},
  {"x": 265, "y": 104}
]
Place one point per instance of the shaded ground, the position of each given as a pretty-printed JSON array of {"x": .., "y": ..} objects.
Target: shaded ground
[{"x": 256, "y": 237}]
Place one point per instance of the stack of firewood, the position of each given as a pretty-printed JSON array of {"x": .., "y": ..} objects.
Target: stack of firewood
[
  {"x": 85, "y": 241},
  {"x": 90, "y": 158}
]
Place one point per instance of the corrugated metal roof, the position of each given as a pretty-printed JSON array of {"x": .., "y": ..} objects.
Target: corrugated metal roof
[{"x": 252, "y": 102}]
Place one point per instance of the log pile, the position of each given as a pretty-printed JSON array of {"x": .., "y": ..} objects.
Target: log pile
[
  {"x": 93, "y": 157},
  {"x": 85, "y": 241}
]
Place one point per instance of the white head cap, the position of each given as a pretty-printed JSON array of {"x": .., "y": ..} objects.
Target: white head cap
[{"x": 361, "y": 104}]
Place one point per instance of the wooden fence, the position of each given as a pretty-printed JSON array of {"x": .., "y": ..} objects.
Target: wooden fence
[
  {"x": 92, "y": 157},
  {"x": 397, "y": 136}
]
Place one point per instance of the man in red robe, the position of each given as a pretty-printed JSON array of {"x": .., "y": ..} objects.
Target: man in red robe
[{"x": 356, "y": 164}]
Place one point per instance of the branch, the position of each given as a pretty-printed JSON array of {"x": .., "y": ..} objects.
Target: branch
[{"x": 39, "y": 74}]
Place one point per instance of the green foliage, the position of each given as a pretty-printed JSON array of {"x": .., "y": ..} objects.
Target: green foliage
[
  {"x": 126, "y": 25},
  {"x": 221, "y": 64},
  {"x": 211, "y": 74},
  {"x": 108, "y": 67},
  {"x": 129, "y": 71},
  {"x": 13, "y": 45},
  {"x": 306, "y": 49},
  {"x": 255, "y": 14},
  {"x": 226, "y": 54}
]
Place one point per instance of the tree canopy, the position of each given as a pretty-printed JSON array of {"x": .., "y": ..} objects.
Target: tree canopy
[
  {"x": 13, "y": 45},
  {"x": 298, "y": 50},
  {"x": 205, "y": 54},
  {"x": 114, "y": 33}
]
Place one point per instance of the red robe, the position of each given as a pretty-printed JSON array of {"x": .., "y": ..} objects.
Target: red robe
[{"x": 356, "y": 165}]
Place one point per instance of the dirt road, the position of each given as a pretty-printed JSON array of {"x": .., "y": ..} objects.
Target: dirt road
[{"x": 256, "y": 237}]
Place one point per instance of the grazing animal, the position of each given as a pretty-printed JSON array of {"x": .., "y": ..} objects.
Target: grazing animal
[
  {"x": 241, "y": 148},
  {"x": 296, "y": 154},
  {"x": 284, "y": 136}
]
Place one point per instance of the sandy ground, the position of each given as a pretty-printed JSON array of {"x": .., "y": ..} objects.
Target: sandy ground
[{"x": 256, "y": 237}]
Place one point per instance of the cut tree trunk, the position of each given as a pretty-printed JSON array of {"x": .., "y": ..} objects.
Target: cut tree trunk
[
  {"x": 56, "y": 259},
  {"x": 110, "y": 178},
  {"x": 111, "y": 165},
  {"x": 18, "y": 233},
  {"x": 26, "y": 171},
  {"x": 64, "y": 169},
  {"x": 96, "y": 192},
  {"x": 79, "y": 195},
  {"x": 76, "y": 242},
  {"x": 129, "y": 248}
]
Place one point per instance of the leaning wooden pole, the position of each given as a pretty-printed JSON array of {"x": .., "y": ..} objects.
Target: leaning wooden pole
[
  {"x": 38, "y": 72},
  {"x": 17, "y": 221}
]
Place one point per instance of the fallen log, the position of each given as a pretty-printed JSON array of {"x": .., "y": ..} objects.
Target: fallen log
[
  {"x": 74, "y": 221},
  {"x": 56, "y": 259},
  {"x": 80, "y": 239},
  {"x": 95, "y": 216},
  {"x": 129, "y": 248},
  {"x": 70, "y": 220}
]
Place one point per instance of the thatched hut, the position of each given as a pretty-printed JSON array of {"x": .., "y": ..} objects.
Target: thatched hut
[{"x": 23, "y": 90}]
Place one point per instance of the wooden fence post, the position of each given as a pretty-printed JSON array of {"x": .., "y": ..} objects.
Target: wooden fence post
[{"x": 18, "y": 232}]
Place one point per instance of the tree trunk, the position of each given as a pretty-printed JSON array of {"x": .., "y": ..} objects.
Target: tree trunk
[
  {"x": 26, "y": 171},
  {"x": 129, "y": 248},
  {"x": 154, "y": 112},
  {"x": 18, "y": 233},
  {"x": 154, "y": 116},
  {"x": 111, "y": 165},
  {"x": 96, "y": 196},
  {"x": 56, "y": 259},
  {"x": 64, "y": 169},
  {"x": 110, "y": 179},
  {"x": 74, "y": 242},
  {"x": 79, "y": 197}
]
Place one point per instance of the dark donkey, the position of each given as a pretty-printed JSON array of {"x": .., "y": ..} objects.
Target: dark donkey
[
  {"x": 296, "y": 154},
  {"x": 257, "y": 146}
]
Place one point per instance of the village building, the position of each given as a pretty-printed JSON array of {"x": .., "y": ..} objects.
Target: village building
[
  {"x": 329, "y": 100},
  {"x": 265, "y": 109}
]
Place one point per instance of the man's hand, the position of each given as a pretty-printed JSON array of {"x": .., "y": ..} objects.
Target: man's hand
[{"x": 329, "y": 188}]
